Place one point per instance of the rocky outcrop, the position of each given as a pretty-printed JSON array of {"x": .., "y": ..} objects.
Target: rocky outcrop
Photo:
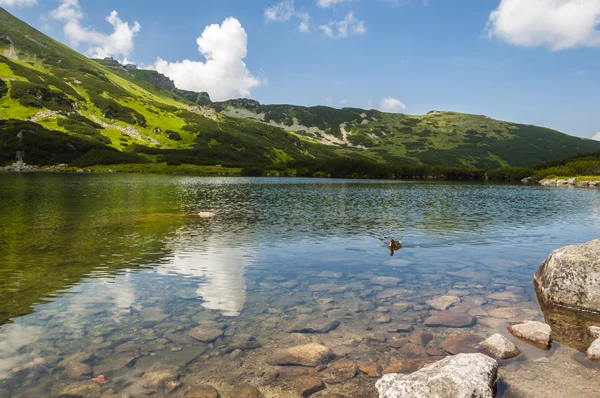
[{"x": 460, "y": 376}]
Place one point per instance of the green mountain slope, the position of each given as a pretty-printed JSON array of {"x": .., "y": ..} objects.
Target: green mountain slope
[{"x": 58, "y": 106}]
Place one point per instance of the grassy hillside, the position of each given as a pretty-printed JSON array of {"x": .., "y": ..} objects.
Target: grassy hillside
[{"x": 57, "y": 105}]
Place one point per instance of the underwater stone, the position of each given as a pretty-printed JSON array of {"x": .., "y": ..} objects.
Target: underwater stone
[{"x": 500, "y": 347}]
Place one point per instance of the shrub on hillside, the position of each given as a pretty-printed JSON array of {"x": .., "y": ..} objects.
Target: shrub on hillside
[{"x": 38, "y": 96}]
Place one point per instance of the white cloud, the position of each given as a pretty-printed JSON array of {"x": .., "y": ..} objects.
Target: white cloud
[
  {"x": 342, "y": 29},
  {"x": 281, "y": 12},
  {"x": 329, "y": 3},
  {"x": 224, "y": 75},
  {"x": 284, "y": 11},
  {"x": 391, "y": 105},
  {"x": 596, "y": 137},
  {"x": 369, "y": 104},
  {"x": 344, "y": 102},
  {"x": 329, "y": 101},
  {"x": 17, "y": 3},
  {"x": 556, "y": 24},
  {"x": 118, "y": 43}
]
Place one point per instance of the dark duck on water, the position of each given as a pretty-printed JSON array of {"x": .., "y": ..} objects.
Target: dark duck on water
[{"x": 394, "y": 245}]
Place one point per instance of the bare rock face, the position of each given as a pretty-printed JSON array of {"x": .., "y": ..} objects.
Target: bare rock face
[
  {"x": 311, "y": 354},
  {"x": 460, "y": 376},
  {"x": 536, "y": 333},
  {"x": 570, "y": 277},
  {"x": 500, "y": 347}
]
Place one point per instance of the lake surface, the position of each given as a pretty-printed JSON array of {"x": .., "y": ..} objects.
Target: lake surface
[{"x": 113, "y": 272}]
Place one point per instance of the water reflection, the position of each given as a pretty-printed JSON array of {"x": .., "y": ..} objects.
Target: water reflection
[{"x": 217, "y": 261}]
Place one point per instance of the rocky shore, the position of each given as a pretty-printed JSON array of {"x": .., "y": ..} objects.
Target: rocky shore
[
  {"x": 328, "y": 334},
  {"x": 574, "y": 181}
]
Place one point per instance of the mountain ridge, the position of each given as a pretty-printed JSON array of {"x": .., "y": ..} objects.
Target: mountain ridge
[{"x": 125, "y": 114}]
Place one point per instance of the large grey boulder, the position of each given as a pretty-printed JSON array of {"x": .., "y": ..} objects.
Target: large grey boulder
[
  {"x": 570, "y": 277},
  {"x": 568, "y": 289},
  {"x": 459, "y": 376}
]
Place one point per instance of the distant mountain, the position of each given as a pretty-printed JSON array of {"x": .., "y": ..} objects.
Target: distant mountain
[{"x": 58, "y": 106}]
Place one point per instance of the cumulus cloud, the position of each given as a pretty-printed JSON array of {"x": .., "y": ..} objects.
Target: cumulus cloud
[
  {"x": 342, "y": 29},
  {"x": 284, "y": 11},
  {"x": 556, "y": 24},
  {"x": 118, "y": 43},
  {"x": 224, "y": 75},
  {"x": 329, "y": 3},
  {"x": 391, "y": 105},
  {"x": 281, "y": 12},
  {"x": 17, "y": 3}
]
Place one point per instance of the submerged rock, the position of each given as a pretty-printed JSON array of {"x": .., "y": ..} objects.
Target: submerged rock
[
  {"x": 246, "y": 391},
  {"x": 159, "y": 376},
  {"x": 308, "y": 385},
  {"x": 322, "y": 325},
  {"x": 500, "y": 347},
  {"x": 205, "y": 335},
  {"x": 370, "y": 368},
  {"x": 536, "y": 333},
  {"x": 388, "y": 281},
  {"x": 75, "y": 370},
  {"x": 460, "y": 376},
  {"x": 202, "y": 391},
  {"x": 442, "y": 303},
  {"x": 340, "y": 371},
  {"x": 451, "y": 319},
  {"x": 311, "y": 354},
  {"x": 87, "y": 389},
  {"x": 462, "y": 344}
]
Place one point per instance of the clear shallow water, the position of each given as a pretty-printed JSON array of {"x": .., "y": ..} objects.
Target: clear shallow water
[{"x": 115, "y": 267}]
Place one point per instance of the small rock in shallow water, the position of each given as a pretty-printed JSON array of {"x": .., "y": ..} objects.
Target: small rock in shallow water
[
  {"x": 500, "y": 347},
  {"x": 311, "y": 354},
  {"x": 370, "y": 368},
  {"x": 462, "y": 344},
  {"x": 460, "y": 376},
  {"x": 308, "y": 385},
  {"x": 87, "y": 389},
  {"x": 442, "y": 303},
  {"x": 321, "y": 325},
  {"x": 205, "y": 335},
  {"x": 451, "y": 319},
  {"x": 387, "y": 281},
  {"x": 340, "y": 371},
  {"x": 536, "y": 333},
  {"x": 593, "y": 352},
  {"x": 202, "y": 391},
  {"x": 594, "y": 331},
  {"x": 159, "y": 375},
  {"x": 400, "y": 328},
  {"x": 406, "y": 365},
  {"x": 76, "y": 370},
  {"x": 246, "y": 391}
]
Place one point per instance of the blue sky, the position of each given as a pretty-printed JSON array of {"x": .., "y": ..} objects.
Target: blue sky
[{"x": 534, "y": 61}]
